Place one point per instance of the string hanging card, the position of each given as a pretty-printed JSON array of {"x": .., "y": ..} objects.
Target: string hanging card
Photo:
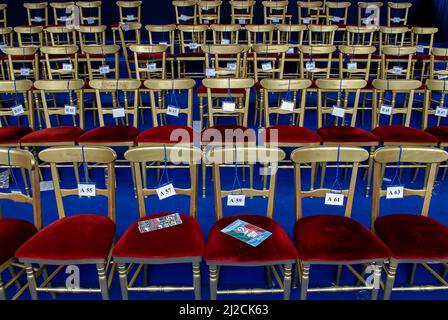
[
  {"x": 335, "y": 197},
  {"x": 395, "y": 189},
  {"x": 236, "y": 199},
  {"x": 86, "y": 188},
  {"x": 165, "y": 188}
]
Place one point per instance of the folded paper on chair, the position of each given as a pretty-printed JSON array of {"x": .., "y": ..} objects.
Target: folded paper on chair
[
  {"x": 246, "y": 232},
  {"x": 159, "y": 223}
]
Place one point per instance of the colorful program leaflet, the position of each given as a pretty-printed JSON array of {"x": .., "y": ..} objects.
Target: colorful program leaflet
[
  {"x": 159, "y": 223},
  {"x": 246, "y": 232}
]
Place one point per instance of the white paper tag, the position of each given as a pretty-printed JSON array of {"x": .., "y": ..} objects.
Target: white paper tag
[
  {"x": 67, "y": 67},
  {"x": 46, "y": 185},
  {"x": 3, "y": 45},
  {"x": 130, "y": 17},
  {"x": 165, "y": 191},
  {"x": 386, "y": 110},
  {"x": 126, "y": 26},
  {"x": 441, "y": 112},
  {"x": 290, "y": 50},
  {"x": 63, "y": 18},
  {"x": 306, "y": 20},
  {"x": 193, "y": 45},
  {"x": 86, "y": 189},
  {"x": 395, "y": 192},
  {"x": 396, "y": 19},
  {"x": 352, "y": 66},
  {"x": 266, "y": 66},
  {"x": 228, "y": 106},
  {"x": 206, "y": 21},
  {"x": 231, "y": 66},
  {"x": 225, "y": 41},
  {"x": 442, "y": 76},
  {"x": 210, "y": 72},
  {"x": 336, "y": 19},
  {"x": 17, "y": 110},
  {"x": 25, "y": 71},
  {"x": 118, "y": 112},
  {"x": 334, "y": 199},
  {"x": 241, "y": 21},
  {"x": 38, "y": 19},
  {"x": 163, "y": 42},
  {"x": 151, "y": 67},
  {"x": 397, "y": 70},
  {"x": 338, "y": 112},
  {"x": 287, "y": 105},
  {"x": 275, "y": 20},
  {"x": 104, "y": 69},
  {"x": 204, "y": 8},
  {"x": 420, "y": 49},
  {"x": 90, "y": 20},
  {"x": 70, "y": 109},
  {"x": 172, "y": 111},
  {"x": 236, "y": 200},
  {"x": 310, "y": 65},
  {"x": 183, "y": 17}
]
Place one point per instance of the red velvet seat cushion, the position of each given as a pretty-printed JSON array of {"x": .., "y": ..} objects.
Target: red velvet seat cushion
[
  {"x": 422, "y": 56},
  {"x": 190, "y": 55},
  {"x": 440, "y": 132},
  {"x": 54, "y": 134},
  {"x": 336, "y": 238},
  {"x": 167, "y": 134},
  {"x": 228, "y": 133},
  {"x": 92, "y": 56},
  {"x": 290, "y": 134},
  {"x": 20, "y": 58},
  {"x": 80, "y": 237},
  {"x": 12, "y": 134},
  {"x": 151, "y": 56},
  {"x": 110, "y": 134},
  {"x": 13, "y": 233},
  {"x": 221, "y": 247},
  {"x": 184, "y": 240},
  {"x": 203, "y": 90},
  {"x": 346, "y": 134},
  {"x": 413, "y": 237},
  {"x": 403, "y": 134}
]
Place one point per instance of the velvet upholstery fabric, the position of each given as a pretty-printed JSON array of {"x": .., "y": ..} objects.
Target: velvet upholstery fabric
[
  {"x": 162, "y": 134},
  {"x": 346, "y": 134},
  {"x": 336, "y": 238},
  {"x": 190, "y": 55},
  {"x": 403, "y": 134},
  {"x": 183, "y": 240},
  {"x": 54, "y": 134},
  {"x": 80, "y": 237},
  {"x": 12, "y": 134},
  {"x": 413, "y": 237},
  {"x": 13, "y": 233},
  {"x": 440, "y": 132},
  {"x": 203, "y": 90},
  {"x": 208, "y": 134},
  {"x": 221, "y": 247},
  {"x": 291, "y": 134},
  {"x": 110, "y": 134}
]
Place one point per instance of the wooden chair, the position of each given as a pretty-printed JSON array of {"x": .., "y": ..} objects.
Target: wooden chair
[
  {"x": 60, "y": 36},
  {"x": 225, "y": 33},
  {"x": 421, "y": 239},
  {"x": 3, "y": 15},
  {"x": 102, "y": 61},
  {"x": 355, "y": 61},
  {"x": 15, "y": 231},
  {"x": 222, "y": 250},
  {"x": 423, "y": 39},
  {"x": 275, "y": 12},
  {"x": 361, "y": 35},
  {"x": 260, "y": 34},
  {"x": 149, "y": 60},
  {"x": 209, "y": 11},
  {"x": 398, "y": 13},
  {"x": 130, "y": 11},
  {"x": 167, "y": 33},
  {"x": 22, "y": 62},
  {"x": 434, "y": 116},
  {"x": 29, "y": 36},
  {"x": 92, "y": 35},
  {"x": 309, "y": 12},
  {"x": 90, "y": 12},
  {"x": 315, "y": 61},
  {"x": 60, "y": 62},
  {"x": 37, "y": 13},
  {"x": 186, "y": 11},
  {"x": 315, "y": 245},
  {"x": 92, "y": 235},
  {"x": 337, "y": 13},
  {"x": 129, "y": 34},
  {"x": 438, "y": 55},
  {"x": 61, "y": 10},
  {"x": 242, "y": 12},
  {"x": 394, "y": 36},
  {"x": 401, "y": 59},
  {"x": 321, "y": 34},
  {"x": 192, "y": 38},
  {"x": 164, "y": 106},
  {"x": 129, "y": 249},
  {"x": 6, "y": 40},
  {"x": 369, "y": 13},
  {"x": 396, "y": 97}
]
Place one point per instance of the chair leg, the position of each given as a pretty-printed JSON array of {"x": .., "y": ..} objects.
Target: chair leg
[
  {"x": 204, "y": 178},
  {"x": 102, "y": 280},
  {"x": 145, "y": 274},
  {"x": 287, "y": 282},
  {"x": 12, "y": 271},
  {"x": 197, "y": 280},
  {"x": 45, "y": 276},
  {"x": 304, "y": 280},
  {"x": 2, "y": 290},
  {"x": 390, "y": 279},
  {"x": 213, "y": 282},
  {"x": 376, "y": 281},
  {"x": 268, "y": 276},
  {"x": 31, "y": 281},
  {"x": 122, "y": 274},
  {"x": 338, "y": 274},
  {"x": 369, "y": 175},
  {"x": 412, "y": 274}
]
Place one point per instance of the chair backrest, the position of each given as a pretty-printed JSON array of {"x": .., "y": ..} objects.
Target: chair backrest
[
  {"x": 166, "y": 32},
  {"x": 423, "y": 38},
  {"x": 188, "y": 157},
  {"x": 260, "y": 34},
  {"x": 130, "y": 11},
  {"x": 431, "y": 157},
  {"x": 398, "y": 13},
  {"x": 241, "y": 108},
  {"x": 90, "y": 12},
  {"x": 6, "y": 37},
  {"x": 290, "y": 90},
  {"x": 129, "y": 88},
  {"x": 29, "y": 36},
  {"x": 61, "y": 61},
  {"x": 192, "y": 37},
  {"x": 321, "y": 34},
  {"x": 37, "y": 13},
  {"x": 186, "y": 11},
  {"x": 222, "y": 157},
  {"x": 309, "y": 11},
  {"x": 435, "y": 106},
  {"x": 225, "y": 33},
  {"x": 369, "y": 13},
  {"x": 108, "y": 55},
  {"x": 226, "y": 60},
  {"x": 162, "y": 89},
  {"x": 16, "y": 158},
  {"x": 99, "y": 156},
  {"x": 129, "y": 33},
  {"x": 355, "y": 61},
  {"x": 60, "y": 35},
  {"x": 291, "y": 34},
  {"x": 307, "y": 53},
  {"x": 209, "y": 11},
  {"x": 21, "y": 58},
  {"x": 438, "y": 55},
  {"x": 337, "y": 12},
  {"x": 92, "y": 35},
  {"x": 269, "y": 60},
  {"x": 393, "y": 36},
  {"x": 60, "y": 15},
  {"x": 72, "y": 88},
  {"x": 406, "y": 88},
  {"x": 345, "y": 89},
  {"x": 22, "y": 95},
  {"x": 4, "y": 15},
  {"x": 149, "y": 60},
  {"x": 361, "y": 35},
  {"x": 350, "y": 156},
  {"x": 274, "y": 12},
  {"x": 401, "y": 58},
  {"x": 242, "y": 12}
]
